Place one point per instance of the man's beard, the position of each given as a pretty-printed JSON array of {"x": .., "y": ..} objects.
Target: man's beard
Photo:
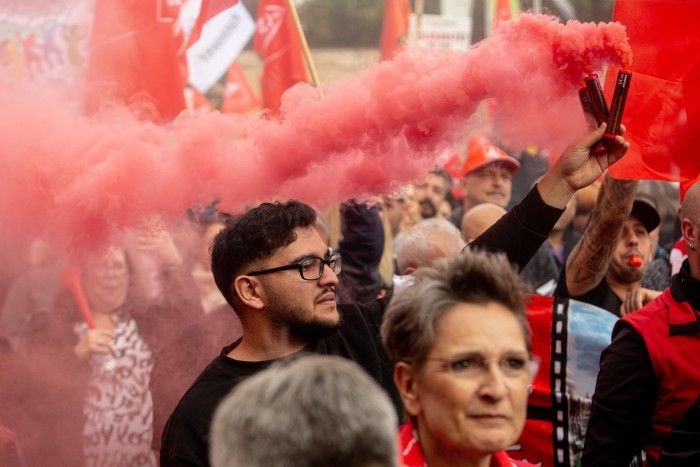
[{"x": 285, "y": 316}]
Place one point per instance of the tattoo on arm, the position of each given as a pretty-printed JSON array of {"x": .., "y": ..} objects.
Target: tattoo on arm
[{"x": 589, "y": 261}]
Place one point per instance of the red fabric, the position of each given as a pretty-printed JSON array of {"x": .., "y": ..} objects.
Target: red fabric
[
  {"x": 411, "y": 453},
  {"x": 207, "y": 11},
  {"x": 134, "y": 60},
  {"x": 394, "y": 28},
  {"x": 677, "y": 256},
  {"x": 198, "y": 103},
  {"x": 676, "y": 363},
  {"x": 239, "y": 96},
  {"x": 662, "y": 113},
  {"x": 277, "y": 41},
  {"x": 504, "y": 11}
]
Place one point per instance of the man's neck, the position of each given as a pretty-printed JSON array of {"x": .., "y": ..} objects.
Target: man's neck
[
  {"x": 621, "y": 289},
  {"x": 258, "y": 347}
]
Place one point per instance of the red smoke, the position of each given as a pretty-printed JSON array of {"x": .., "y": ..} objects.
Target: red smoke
[{"x": 74, "y": 179}]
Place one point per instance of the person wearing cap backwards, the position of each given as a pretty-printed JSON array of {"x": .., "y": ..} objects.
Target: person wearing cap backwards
[
  {"x": 487, "y": 175},
  {"x": 609, "y": 261},
  {"x": 648, "y": 387}
]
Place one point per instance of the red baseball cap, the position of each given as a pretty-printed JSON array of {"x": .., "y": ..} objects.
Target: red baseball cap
[{"x": 482, "y": 153}]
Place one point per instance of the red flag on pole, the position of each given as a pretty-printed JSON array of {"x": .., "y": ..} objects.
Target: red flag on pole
[
  {"x": 662, "y": 113},
  {"x": 134, "y": 59},
  {"x": 239, "y": 96},
  {"x": 197, "y": 103},
  {"x": 207, "y": 11},
  {"x": 277, "y": 41},
  {"x": 394, "y": 28}
]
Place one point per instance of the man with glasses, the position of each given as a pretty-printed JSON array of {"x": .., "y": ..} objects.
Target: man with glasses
[{"x": 276, "y": 272}]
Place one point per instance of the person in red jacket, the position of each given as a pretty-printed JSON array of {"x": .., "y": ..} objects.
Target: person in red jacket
[{"x": 650, "y": 374}]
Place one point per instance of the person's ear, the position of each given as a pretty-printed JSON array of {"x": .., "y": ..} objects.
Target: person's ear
[
  {"x": 249, "y": 291},
  {"x": 689, "y": 231},
  {"x": 406, "y": 380}
]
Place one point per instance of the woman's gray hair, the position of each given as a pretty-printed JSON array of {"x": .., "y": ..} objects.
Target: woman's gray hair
[
  {"x": 409, "y": 327},
  {"x": 312, "y": 411}
]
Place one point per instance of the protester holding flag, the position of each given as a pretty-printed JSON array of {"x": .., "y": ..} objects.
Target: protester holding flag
[
  {"x": 92, "y": 403},
  {"x": 280, "y": 277}
]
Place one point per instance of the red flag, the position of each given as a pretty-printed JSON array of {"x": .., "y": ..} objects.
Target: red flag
[
  {"x": 505, "y": 10},
  {"x": 207, "y": 10},
  {"x": 662, "y": 113},
  {"x": 197, "y": 103},
  {"x": 277, "y": 41},
  {"x": 134, "y": 59},
  {"x": 239, "y": 96},
  {"x": 394, "y": 27}
]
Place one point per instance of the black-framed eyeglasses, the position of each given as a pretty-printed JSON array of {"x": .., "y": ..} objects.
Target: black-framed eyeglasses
[{"x": 310, "y": 268}]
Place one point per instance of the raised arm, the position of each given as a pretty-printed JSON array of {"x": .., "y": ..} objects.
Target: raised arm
[
  {"x": 589, "y": 261},
  {"x": 520, "y": 232}
]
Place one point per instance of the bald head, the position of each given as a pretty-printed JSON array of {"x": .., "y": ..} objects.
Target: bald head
[
  {"x": 691, "y": 203},
  {"x": 479, "y": 218},
  {"x": 690, "y": 227}
]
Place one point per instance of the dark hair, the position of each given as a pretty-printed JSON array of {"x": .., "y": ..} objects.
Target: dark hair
[{"x": 254, "y": 236}]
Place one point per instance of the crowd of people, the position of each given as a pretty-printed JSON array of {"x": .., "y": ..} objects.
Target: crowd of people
[{"x": 259, "y": 339}]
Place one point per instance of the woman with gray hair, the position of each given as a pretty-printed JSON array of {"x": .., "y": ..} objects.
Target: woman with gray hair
[{"x": 461, "y": 346}]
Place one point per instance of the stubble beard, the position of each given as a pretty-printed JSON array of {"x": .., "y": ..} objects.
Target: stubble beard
[{"x": 289, "y": 318}]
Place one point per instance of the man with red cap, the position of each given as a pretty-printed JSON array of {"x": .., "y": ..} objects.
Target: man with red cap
[{"x": 487, "y": 175}]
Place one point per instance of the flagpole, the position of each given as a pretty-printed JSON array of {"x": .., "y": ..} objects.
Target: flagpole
[
  {"x": 305, "y": 47},
  {"x": 420, "y": 8}
]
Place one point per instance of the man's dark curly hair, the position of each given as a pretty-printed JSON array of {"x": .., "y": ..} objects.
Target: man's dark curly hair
[{"x": 254, "y": 236}]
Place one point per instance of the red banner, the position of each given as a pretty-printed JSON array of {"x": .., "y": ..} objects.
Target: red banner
[
  {"x": 663, "y": 106},
  {"x": 394, "y": 28},
  {"x": 239, "y": 96},
  {"x": 134, "y": 60},
  {"x": 207, "y": 11},
  {"x": 277, "y": 41}
]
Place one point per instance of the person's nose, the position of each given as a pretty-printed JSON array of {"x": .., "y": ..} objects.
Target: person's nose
[
  {"x": 631, "y": 238},
  {"x": 328, "y": 277},
  {"x": 493, "y": 384}
]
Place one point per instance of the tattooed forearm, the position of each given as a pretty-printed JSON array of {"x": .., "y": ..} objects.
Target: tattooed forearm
[{"x": 589, "y": 261}]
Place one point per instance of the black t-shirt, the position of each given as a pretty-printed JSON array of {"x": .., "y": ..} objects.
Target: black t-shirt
[
  {"x": 601, "y": 295},
  {"x": 185, "y": 438}
]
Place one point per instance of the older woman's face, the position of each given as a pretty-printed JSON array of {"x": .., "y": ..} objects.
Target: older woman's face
[
  {"x": 106, "y": 281},
  {"x": 465, "y": 399}
]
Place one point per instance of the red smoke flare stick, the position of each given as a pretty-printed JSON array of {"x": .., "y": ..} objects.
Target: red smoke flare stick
[
  {"x": 72, "y": 278},
  {"x": 598, "y": 104},
  {"x": 617, "y": 106},
  {"x": 587, "y": 107}
]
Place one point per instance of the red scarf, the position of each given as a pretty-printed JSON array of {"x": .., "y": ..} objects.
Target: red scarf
[{"x": 412, "y": 454}]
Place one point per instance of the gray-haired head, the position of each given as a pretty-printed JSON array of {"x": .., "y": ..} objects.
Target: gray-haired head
[
  {"x": 409, "y": 327},
  {"x": 314, "y": 411},
  {"x": 425, "y": 243}
]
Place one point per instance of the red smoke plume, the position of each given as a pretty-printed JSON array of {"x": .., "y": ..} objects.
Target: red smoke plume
[{"x": 75, "y": 179}]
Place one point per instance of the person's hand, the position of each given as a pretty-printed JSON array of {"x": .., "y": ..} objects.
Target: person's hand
[
  {"x": 636, "y": 299},
  {"x": 95, "y": 341},
  {"x": 578, "y": 167}
]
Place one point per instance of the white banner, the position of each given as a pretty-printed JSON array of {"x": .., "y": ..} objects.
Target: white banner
[
  {"x": 45, "y": 43},
  {"x": 222, "y": 40},
  {"x": 439, "y": 32}
]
